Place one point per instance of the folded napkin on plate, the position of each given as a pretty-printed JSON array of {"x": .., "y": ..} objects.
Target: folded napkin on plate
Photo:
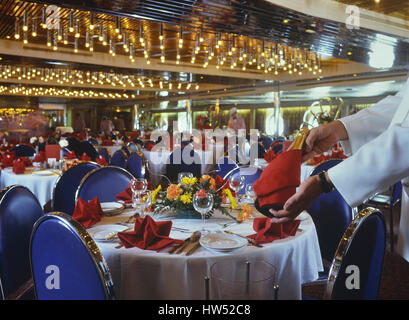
[
  {"x": 40, "y": 157},
  {"x": 101, "y": 161},
  {"x": 70, "y": 155},
  {"x": 125, "y": 196},
  {"x": 149, "y": 235},
  {"x": 266, "y": 231},
  {"x": 19, "y": 166},
  {"x": 7, "y": 159},
  {"x": 88, "y": 213}
]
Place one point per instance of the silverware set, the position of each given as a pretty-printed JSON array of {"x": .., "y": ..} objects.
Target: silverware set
[{"x": 189, "y": 246}]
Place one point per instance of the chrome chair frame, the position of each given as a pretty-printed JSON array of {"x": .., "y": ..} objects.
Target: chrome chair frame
[
  {"x": 89, "y": 244},
  {"x": 344, "y": 245}
]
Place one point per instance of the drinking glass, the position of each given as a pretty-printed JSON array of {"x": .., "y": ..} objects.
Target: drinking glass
[
  {"x": 250, "y": 192},
  {"x": 138, "y": 187},
  {"x": 237, "y": 183},
  {"x": 182, "y": 175},
  {"x": 203, "y": 204},
  {"x": 142, "y": 203}
]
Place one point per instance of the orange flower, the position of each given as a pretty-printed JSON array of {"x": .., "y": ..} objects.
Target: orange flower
[
  {"x": 245, "y": 212},
  {"x": 173, "y": 192},
  {"x": 211, "y": 181}
]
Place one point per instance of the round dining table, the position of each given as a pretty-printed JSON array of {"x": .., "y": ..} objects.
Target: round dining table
[
  {"x": 147, "y": 274},
  {"x": 39, "y": 182}
]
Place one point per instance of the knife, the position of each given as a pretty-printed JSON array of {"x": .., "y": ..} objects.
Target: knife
[
  {"x": 180, "y": 248},
  {"x": 251, "y": 241},
  {"x": 193, "y": 249}
]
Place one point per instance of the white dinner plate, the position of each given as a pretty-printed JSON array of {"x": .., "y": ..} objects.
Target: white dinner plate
[
  {"x": 222, "y": 242},
  {"x": 43, "y": 173},
  {"x": 112, "y": 208},
  {"x": 101, "y": 233}
]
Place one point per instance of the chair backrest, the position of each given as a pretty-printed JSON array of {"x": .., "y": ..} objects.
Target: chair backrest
[
  {"x": 331, "y": 215},
  {"x": 183, "y": 160},
  {"x": 87, "y": 148},
  {"x": 224, "y": 165},
  {"x": 104, "y": 182},
  {"x": 67, "y": 184},
  {"x": 119, "y": 158},
  {"x": 127, "y": 150},
  {"x": 19, "y": 210},
  {"x": 106, "y": 153},
  {"x": 250, "y": 173},
  {"x": 357, "y": 266},
  {"x": 52, "y": 151},
  {"x": 267, "y": 141},
  {"x": 23, "y": 150},
  {"x": 135, "y": 166},
  {"x": 66, "y": 263}
]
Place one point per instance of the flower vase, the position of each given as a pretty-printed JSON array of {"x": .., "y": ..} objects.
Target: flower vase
[{"x": 188, "y": 214}]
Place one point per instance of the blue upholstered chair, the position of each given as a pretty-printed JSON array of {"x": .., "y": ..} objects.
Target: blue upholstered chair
[
  {"x": 388, "y": 201},
  {"x": 135, "y": 166},
  {"x": 119, "y": 158},
  {"x": 19, "y": 210},
  {"x": 250, "y": 173},
  {"x": 183, "y": 160},
  {"x": 23, "y": 150},
  {"x": 67, "y": 184},
  {"x": 106, "y": 153},
  {"x": 104, "y": 182},
  {"x": 331, "y": 215},
  {"x": 93, "y": 141},
  {"x": 127, "y": 150},
  {"x": 66, "y": 263},
  {"x": 224, "y": 166},
  {"x": 87, "y": 148},
  {"x": 267, "y": 142},
  {"x": 360, "y": 254}
]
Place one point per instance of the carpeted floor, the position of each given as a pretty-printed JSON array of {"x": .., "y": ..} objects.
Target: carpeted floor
[{"x": 395, "y": 275}]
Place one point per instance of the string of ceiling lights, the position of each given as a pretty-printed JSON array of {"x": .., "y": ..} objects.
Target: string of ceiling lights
[
  {"x": 168, "y": 43},
  {"x": 65, "y": 76}
]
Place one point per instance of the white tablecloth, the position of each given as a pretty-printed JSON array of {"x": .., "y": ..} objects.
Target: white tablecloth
[
  {"x": 42, "y": 186},
  {"x": 157, "y": 161},
  {"x": 146, "y": 274},
  {"x": 306, "y": 171}
]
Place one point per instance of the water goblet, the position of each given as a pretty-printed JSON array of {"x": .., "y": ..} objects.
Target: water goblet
[
  {"x": 203, "y": 203},
  {"x": 182, "y": 175},
  {"x": 250, "y": 192},
  {"x": 236, "y": 184}
]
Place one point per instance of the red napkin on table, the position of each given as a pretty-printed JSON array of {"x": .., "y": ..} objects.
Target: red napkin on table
[
  {"x": 107, "y": 142},
  {"x": 7, "y": 159},
  {"x": 266, "y": 231},
  {"x": 88, "y": 213},
  {"x": 40, "y": 157},
  {"x": 70, "y": 156},
  {"x": 19, "y": 166},
  {"x": 278, "y": 182},
  {"x": 84, "y": 157},
  {"x": 150, "y": 145},
  {"x": 125, "y": 196},
  {"x": 102, "y": 161},
  {"x": 149, "y": 235}
]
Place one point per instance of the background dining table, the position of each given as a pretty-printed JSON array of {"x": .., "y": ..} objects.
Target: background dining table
[
  {"x": 147, "y": 274},
  {"x": 39, "y": 182}
]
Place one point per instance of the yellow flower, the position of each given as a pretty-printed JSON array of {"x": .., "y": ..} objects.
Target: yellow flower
[
  {"x": 189, "y": 181},
  {"x": 173, "y": 192},
  {"x": 229, "y": 195},
  {"x": 245, "y": 212},
  {"x": 186, "y": 198},
  {"x": 155, "y": 193}
]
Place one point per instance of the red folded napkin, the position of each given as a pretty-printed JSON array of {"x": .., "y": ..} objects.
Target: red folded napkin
[
  {"x": 266, "y": 231},
  {"x": 88, "y": 213},
  {"x": 85, "y": 157},
  {"x": 7, "y": 159},
  {"x": 107, "y": 142},
  {"x": 40, "y": 157},
  {"x": 102, "y": 161},
  {"x": 125, "y": 196},
  {"x": 150, "y": 145},
  {"x": 70, "y": 155},
  {"x": 279, "y": 181},
  {"x": 270, "y": 155},
  {"x": 19, "y": 166},
  {"x": 149, "y": 235},
  {"x": 27, "y": 161}
]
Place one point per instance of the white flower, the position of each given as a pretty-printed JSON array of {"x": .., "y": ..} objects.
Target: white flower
[
  {"x": 33, "y": 140},
  {"x": 63, "y": 143}
]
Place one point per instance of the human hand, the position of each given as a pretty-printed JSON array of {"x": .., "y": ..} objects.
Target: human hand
[
  {"x": 308, "y": 191},
  {"x": 322, "y": 138}
]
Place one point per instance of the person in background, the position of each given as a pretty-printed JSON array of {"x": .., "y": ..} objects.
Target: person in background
[
  {"x": 119, "y": 124},
  {"x": 235, "y": 122},
  {"x": 79, "y": 123},
  {"x": 106, "y": 126}
]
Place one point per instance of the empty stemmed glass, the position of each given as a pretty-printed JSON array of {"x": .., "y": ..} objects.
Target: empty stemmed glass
[
  {"x": 182, "y": 175},
  {"x": 250, "y": 192},
  {"x": 236, "y": 184},
  {"x": 203, "y": 203},
  {"x": 142, "y": 203},
  {"x": 138, "y": 187}
]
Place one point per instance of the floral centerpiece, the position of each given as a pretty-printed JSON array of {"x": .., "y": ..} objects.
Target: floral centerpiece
[{"x": 179, "y": 197}]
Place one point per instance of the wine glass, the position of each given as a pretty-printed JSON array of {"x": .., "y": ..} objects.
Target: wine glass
[
  {"x": 203, "y": 203},
  {"x": 142, "y": 203},
  {"x": 182, "y": 175},
  {"x": 138, "y": 186},
  {"x": 250, "y": 192},
  {"x": 236, "y": 184}
]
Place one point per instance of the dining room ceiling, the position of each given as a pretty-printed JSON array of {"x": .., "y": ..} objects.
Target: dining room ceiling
[{"x": 249, "y": 25}]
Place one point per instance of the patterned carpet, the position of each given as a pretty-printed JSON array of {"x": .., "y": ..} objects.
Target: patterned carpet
[{"x": 395, "y": 276}]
